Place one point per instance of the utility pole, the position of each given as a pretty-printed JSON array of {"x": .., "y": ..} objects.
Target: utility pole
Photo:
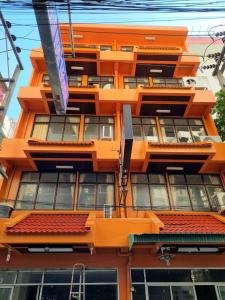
[
  {"x": 10, "y": 40},
  {"x": 219, "y": 71}
]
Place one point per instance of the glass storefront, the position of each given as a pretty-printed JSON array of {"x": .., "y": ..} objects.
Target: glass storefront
[
  {"x": 178, "y": 284},
  {"x": 58, "y": 284}
]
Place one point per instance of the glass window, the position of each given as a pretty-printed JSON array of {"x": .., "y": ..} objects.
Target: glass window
[
  {"x": 168, "y": 275},
  {"x": 67, "y": 177},
  {"x": 101, "y": 292},
  {"x": 137, "y": 275},
  {"x": 134, "y": 82},
  {"x": 57, "y": 119},
  {"x": 57, "y": 276},
  {"x": 56, "y": 128},
  {"x": 145, "y": 128},
  {"x": 48, "y": 177},
  {"x": 181, "y": 198},
  {"x": 94, "y": 276},
  {"x": 138, "y": 292},
  {"x": 197, "y": 132},
  {"x": 183, "y": 134},
  {"x": 45, "y": 196},
  {"x": 183, "y": 293},
  {"x": 137, "y": 132},
  {"x": 159, "y": 292},
  {"x": 176, "y": 191},
  {"x": 212, "y": 179},
  {"x": 71, "y": 132},
  {"x": 105, "y": 47},
  {"x": 182, "y": 130},
  {"x": 26, "y": 196},
  {"x": 40, "y": 131},
  {"x": 87, "y": 196},
  {"x": 159, "y": 197},
  {"x": 29, "y": 277},
  {"x": 167, "y": 82},
  {"x": 64, "y": 196},
  {"x": 55, "y": 132},
  {"x": 222, "y": 292},
  {"x": 104, "y": 82},
  {"x": 95, "y": 190},
  {"x": 141, "y": 197},
  {"x": 90, "y": 132},
  {"x": 176, "y": 179},
  {"x": 199, "y": 198},
  {"x": 105, "y": 195},
  {"x": 74, "y": 81},
  {"x": 156, "y": 178},
  {"x": 88, "y": 177},
  {"x": 98, "y": 128},
  {"x": 168, "y": 133},
  {"x": 7, "y": 277},
  {"x": 127, "y": 48},
  {"x": 25, "y": 292},
  {"x": 56, "y": 292},
  {"x": 139, "y": 178},
  {"x": 194, "y": 179},
  {"x": 30, "y": 177}
]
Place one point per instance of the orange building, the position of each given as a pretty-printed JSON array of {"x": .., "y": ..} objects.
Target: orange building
[{"x": 79, "y": 229}]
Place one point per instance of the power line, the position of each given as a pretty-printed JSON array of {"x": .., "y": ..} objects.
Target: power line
[
  {"x": 119, "y": 22},
  {"x": 115, "y": 32}
]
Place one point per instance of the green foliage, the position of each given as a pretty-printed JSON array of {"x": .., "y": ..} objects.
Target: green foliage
[{"x": 219, "y": 111}]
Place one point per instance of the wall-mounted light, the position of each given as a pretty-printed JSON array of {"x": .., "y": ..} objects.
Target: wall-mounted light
[
  {"x": 64, "y": 167},
  {"x": 50, "y": 250},
  {"x": 170, "y": 168},
  {"x": 78, "y": 68},
  {"x": 163, "y": 111},
  {"x": 150, "y": 38},
  {"x": 155, "y": 71},
  {"x": 78, "y": 36},
  {"x": 197, "y": 249},
  {"x": 73, "y": 108}
]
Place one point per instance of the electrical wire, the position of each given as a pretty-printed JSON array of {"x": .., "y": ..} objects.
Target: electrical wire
[
  {"x": 124, "y": 22},
  {"x": 209, "y": 46},
  {"x": 114, "y": 32}
]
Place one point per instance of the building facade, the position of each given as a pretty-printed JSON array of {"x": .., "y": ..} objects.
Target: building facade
[{"x": 80, "y": 228}]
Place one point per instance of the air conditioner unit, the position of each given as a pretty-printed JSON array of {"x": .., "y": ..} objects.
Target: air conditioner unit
[
  {"x": 184, "y": 137},
  {"x": 219, "y": 199},
  {"x": 152, "y": 138},
  {"x": 107, "y": 86},
  {"x": 205, "y": 138},
  {"x": 107, "y": 132},
  {"x": 198, "y": 82}
]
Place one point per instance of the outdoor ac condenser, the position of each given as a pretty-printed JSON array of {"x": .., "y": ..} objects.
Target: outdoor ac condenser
[
  {"x": 198, "y": 82},
  {"x": 219, "y": 199}
]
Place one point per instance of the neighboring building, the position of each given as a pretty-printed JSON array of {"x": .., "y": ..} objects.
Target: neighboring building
[
  {"x": 162, "y": 234},
  {"x": 204, "y": 46},
  {"x": 9, "y": 126}
]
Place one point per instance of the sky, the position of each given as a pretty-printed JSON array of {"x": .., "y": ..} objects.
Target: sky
[{"x": 25, "y": 29}]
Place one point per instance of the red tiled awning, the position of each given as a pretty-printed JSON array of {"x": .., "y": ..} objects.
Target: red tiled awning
[
  {"x": 199, "y": 224},
  {"x": 51, "y": 223}
]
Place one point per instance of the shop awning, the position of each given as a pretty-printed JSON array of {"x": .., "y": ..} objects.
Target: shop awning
[{"x": 145, "y": 239}]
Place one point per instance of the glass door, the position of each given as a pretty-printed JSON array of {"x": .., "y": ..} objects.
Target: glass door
[
  {"x": 6, "y": 293},
  {"x": 206, "y": 292},
  {"x": 159, "y": 292}
]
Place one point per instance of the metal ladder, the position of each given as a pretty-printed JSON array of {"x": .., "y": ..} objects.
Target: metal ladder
[{"x": 80, "y": 294}]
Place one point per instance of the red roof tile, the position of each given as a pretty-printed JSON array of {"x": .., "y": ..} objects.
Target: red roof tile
[
  {"x": 204, "y": 224},
  {"x": 51, "y": 223}
]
